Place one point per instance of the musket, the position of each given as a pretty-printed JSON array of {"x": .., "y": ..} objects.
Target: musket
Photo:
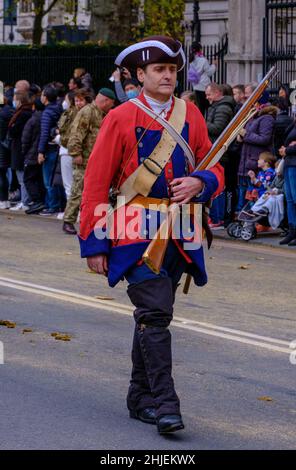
[{"x": 154, "y": 254}]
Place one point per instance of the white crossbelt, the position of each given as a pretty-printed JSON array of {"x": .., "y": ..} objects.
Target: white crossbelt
[{"x": 171, "y": 130}]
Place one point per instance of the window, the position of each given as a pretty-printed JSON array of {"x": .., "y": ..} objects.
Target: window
[
  {"x": 10, "y": 12},
  {"x": 26, "y": 6}
]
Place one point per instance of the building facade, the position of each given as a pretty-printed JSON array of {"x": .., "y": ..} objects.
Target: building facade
[
  {"x": 16, "y": 21},
  {"x": 242, "y": 21}
]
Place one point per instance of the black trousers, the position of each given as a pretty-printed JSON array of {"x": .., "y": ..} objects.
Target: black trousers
[
  {"x": 14, "y": 184},
  {"x": 33, "y": 180},
  {"x": 152, "y": 384},
  {"x": 202, "y": 102},
  {"x": 3, "y": 184}
]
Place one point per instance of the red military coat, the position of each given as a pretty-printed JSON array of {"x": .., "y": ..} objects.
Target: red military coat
[{"x": 111, "y": 159}]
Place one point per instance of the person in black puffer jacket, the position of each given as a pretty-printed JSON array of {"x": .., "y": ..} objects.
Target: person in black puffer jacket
[
  {"x": 219, "y": 115},
  {"x": 288, "y": 152},
  {"x": 33, "y": 177},
  {"x": 282, "y": 122},
  {"x": 5, "y": 115}
]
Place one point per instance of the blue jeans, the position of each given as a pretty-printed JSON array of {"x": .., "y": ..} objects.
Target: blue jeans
[
  {"x": 243, "y": 184},
  {"x": 218, "y": 209},
  {"x": 25, "y": 198},
  {"x": 52, "y": 198},
  {"x": 290, "y": 189}
]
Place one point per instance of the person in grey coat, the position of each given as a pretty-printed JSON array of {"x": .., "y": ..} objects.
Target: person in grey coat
[{"x": 204, "y": 71}]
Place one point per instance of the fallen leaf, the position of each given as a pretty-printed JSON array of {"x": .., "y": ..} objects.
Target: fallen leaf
[
  {"x": 7, "y": 323},
  {"x": 27, "y": 330},
  {"x": 265, "y": 399},
  {"x": 69, "y": 253},
  {"x": 103, "y": 297},
  {"x": 212, "y": 257},
  {"x": 89, "y": 271},
  {"x": 260, "y": 258},
  {"x": 244, "y": 267},
  {"x": 61, "y": 336}
]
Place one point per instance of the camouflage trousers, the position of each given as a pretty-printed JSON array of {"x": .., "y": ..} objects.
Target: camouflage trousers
[{"x": 74, "y": 201}]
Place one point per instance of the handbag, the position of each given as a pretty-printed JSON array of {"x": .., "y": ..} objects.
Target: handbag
[
  {"x": 193, "y": 75},
  {"x": 6, "y": 143}
]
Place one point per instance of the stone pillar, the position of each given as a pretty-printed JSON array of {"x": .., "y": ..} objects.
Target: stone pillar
[{"x": 244, "y": 59}]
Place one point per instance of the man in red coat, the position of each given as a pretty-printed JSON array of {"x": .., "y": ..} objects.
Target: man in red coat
[{"x": 129, "y": 138}]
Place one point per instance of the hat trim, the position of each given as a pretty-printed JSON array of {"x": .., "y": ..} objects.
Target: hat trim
[{"x": 158, "y": 44}]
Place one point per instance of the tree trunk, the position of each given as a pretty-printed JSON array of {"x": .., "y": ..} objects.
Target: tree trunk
[
  {"x": 37, "y": 28},
  {"x": 111, "y": 21}
]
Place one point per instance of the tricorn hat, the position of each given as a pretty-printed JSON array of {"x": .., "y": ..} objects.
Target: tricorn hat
[{"x": 151, "y": 50}]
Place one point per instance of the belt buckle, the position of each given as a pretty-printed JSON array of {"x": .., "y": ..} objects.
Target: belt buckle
[{"x": 151, "y": 170}]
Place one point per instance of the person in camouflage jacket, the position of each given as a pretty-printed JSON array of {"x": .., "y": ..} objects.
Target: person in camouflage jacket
[{"x": 81, "y": 140}]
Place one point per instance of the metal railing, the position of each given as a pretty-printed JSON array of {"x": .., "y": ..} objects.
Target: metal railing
[
  {"x": 279, "y": 40},
  {"x": 215, "y": 52},
  {"x": 47, "y": 63}
]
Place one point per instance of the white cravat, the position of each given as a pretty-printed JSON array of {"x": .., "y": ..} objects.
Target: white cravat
[{"x": 158, "y": 107}]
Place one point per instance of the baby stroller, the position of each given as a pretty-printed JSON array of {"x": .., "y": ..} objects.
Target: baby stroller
[{"x": 245, "y": 226}]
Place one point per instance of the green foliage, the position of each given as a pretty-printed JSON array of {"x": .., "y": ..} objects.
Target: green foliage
[{"x": 161, "y": 17}]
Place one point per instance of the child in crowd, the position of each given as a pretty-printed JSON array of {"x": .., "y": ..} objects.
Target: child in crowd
[
  {"x": 260, "y": 183},
  {"x": 271, "y": 203}
]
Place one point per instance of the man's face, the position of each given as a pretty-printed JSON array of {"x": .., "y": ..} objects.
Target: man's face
[
  {"x": 130, "y": 87},
  {"x": 104, "y": 103},
  {"x": 213, "y": 95},
  {"x": 22, "y": 86},
  {"x": 238, "y": 95},
  {"x": 159, "y": 80},
  {"x": 248, "y": 92}
]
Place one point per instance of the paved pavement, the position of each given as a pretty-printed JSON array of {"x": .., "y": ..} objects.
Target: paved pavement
[{"x": 231, "y": 349}]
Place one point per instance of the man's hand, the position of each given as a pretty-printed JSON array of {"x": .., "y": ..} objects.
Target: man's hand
[
  {"x": 184, "y": 189},
  {"x": 41, "y": 158},
  {"x": 126, "y": 73},
  {"x": 78, "y": 160},
  {"x": 98, "y": 264}
]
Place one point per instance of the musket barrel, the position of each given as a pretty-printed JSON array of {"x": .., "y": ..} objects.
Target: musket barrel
[{"x": 243, "y": 112}]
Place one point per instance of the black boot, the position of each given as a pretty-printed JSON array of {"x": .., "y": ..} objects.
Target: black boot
[
  {"x": 153, "y": 300},
  {"x": 290, "y": 236},
  {"x": 139, "y": 397},
  {"x": 293, "y": 242},
  {"x": 69, "y": 228},
  {"x": 156, "y": 347}
]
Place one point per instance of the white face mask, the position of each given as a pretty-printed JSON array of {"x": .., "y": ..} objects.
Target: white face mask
[{"x": 65, "y": 105}]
